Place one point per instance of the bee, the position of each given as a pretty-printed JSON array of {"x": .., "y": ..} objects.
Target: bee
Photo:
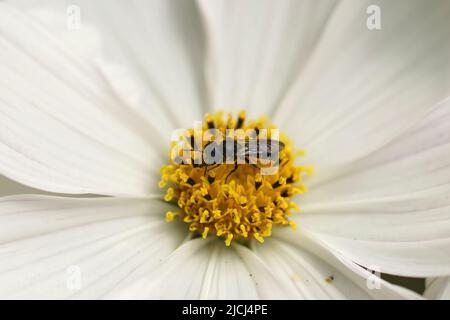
[
  {"x": 253, "y": 149},
  {"x": 236, "y": 151}
]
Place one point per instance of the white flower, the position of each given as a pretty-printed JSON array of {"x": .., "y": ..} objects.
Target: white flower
[{"x": 367, "y": 105}]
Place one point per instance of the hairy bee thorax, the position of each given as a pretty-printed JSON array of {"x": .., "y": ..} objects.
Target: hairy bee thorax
[{"x": 233, "y": 201}]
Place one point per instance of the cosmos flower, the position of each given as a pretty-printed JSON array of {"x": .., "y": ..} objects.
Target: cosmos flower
[{"x": 88, "y": 109}]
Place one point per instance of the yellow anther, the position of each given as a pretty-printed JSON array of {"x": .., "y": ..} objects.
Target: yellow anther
[
  {"x": 293, "y": 225},
  {"x": 162, "y": 183},
  {"x": 294, "y": 206},
  {"x": 184, "y": 177},
  {"x": 205, "y": 233},
  {"x": 209, "y": 118},
  {"x": 258, "y": 237},
  {"x": 228, "y": 239},
  {"x": 217, "y": 214},
  {"x": 303, "y": 188},
  {"x": 204, "y": 191},
  {"x": 169, "y": 194},
  {"x": 243, "y": 231},
  {"x": 204, "y": 216},
  {"x": 236, "y": 216},
  {"x": 170, "y": 216},
  {"x": 308, "y": 170}
]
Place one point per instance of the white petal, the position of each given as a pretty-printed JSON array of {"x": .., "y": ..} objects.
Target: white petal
[
  {"x": 307, "y": 271},
  {"x": 276, "y": 270},
  {"x": 404, "y": 258},
  {"x": 361, "y": 88},
  {"x": 392, "y": 207},
  {"x": 438, "y": 288},
  {"x": 46, "y": 242},
  {"x": 10, "y": 187},
  {"x": 62, "y": 128},
  {"x": 159, "y": 43},
  {"x": 200, "y": 269},
  {"x": 162, "y": 43},
  {"x": 256, "y": 48}
]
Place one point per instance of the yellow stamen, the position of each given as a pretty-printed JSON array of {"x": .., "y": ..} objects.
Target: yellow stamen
[
  {"x": 169, "y": 194},
  {"x": 293, "y": 225},
  {"x": 170, "y": 216},
  {"x": 205, "y": 233},
  {"x": 243, "y": 206},
  {"x": 258, "y": 237},
  {"x": 228, "y": 240}
]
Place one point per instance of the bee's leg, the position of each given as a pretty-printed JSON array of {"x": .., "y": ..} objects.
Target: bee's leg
[
  {"x": 284, "y": 163},
  {"x": 247, "y": 161},
  {"x": 195, "y": 165},
  {"x": 232, "y": 171},
  {"x": 207, "y": 168}
]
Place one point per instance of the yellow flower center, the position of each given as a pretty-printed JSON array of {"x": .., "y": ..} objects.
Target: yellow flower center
[{"x": 233, "y": 201}]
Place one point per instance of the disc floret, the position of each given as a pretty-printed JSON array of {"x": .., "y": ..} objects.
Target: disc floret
[{"x": 242, "y": 206}]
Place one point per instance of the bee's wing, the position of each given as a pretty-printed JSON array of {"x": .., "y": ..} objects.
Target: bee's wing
[
  {"x": 242, "y": 148},
  {"x": 269, "y": 149},
  {"x": 261, "y": 148},
  {"x": 264, "y": 148}
]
